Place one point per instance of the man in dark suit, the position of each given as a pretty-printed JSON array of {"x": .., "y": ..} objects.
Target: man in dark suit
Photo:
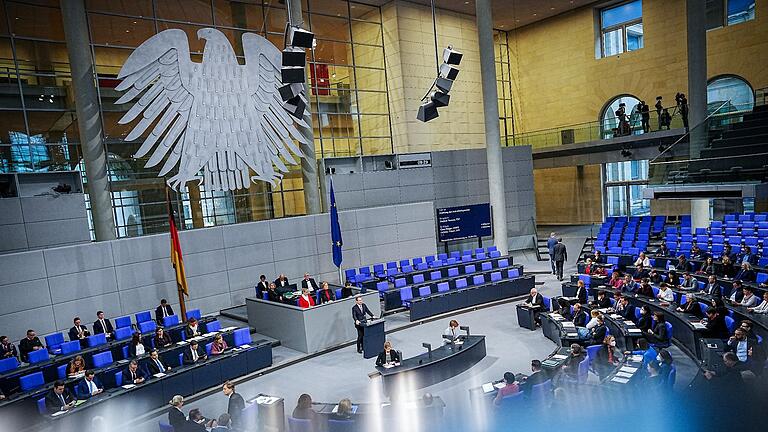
[
  {"x": 102, "y": 325},
  {"x": 309, "y": 283},
  {"x": 193, "y": 354},
  {"x": 162, "y": 311},
  {"x": 551, "y": 242},
  {"x": 716, "y": 327},
  {"x": 155, "y": 365},
  {"x": 281, "y": 282},
  {"x": 712, "y": 287},
  {"x": 579, "y": 316},
  {"x": 58, "y": 399},
  {"x": 602, "y": 301},
  {"x": 89, "y": 386},
  {"x": 7, "y": 349},
  {"x": 537, "y": 377},
  {"x": 235, "y": 405},
  {"x": 273, "y": 295},
  {"x": 560, "y": 256},
  {"x": 133, "y": 375},
  {"x": 78, "y": 332},
  {"x": 624, "y": 309},
  {"x": 262, "y": 286},
  {"x": 535, "y": 301},
  {"x": 29, "y": 344},
  {"x": 359, "y": 312}
]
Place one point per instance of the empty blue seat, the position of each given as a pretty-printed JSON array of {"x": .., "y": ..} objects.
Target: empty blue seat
[
  {"x": 761, "y": 277},
  {"x": 435, "y": 275},
  {"x": 479, "y": 250},
  {"x": 242, "y": 336},
  {"x": 478, "y": 280},
  {"x": 194, "y": 313},
  {"x": 70, "y": 347},
  {"x": 451, "y": 261},
  {"x": 123, "y": 333},
  {"x": 494, "y": 254},
  {"x": 378, "y": 269},
  {"x": 423, "y": 266},
  {"x": 461, "y": 283},
  {"x": 513, "y": 273},
  {"x": 429, "y": 259},
  {"x": 31, "y": 381},
  {"x": 436, "y": 263},
  {"x": 492, "y": 249},
  {"x": 486, "y": 266},
  {"x": 392, "y": 271},
  {"x": 349, "y": 274},
  {"x": 481, "y": 256},
  {"x": 730, "y": 323},
  {"x": 407, "y": 269},
  {"x": 495, "y": 276},
  {"x": 143, "y": 317},
  {"x": 406, "y": 295},
  {"x": 300, "y": 425},
  {"x": 442, "y": 256},
  {"x": 382, "y": 286},
  {"x": 453, "y": 271},
  {"x": 406, "y": 262},
  {"x": 443, "y": 287},
  {"x": 214, "y": 326},
  {"x": 424, "y": 291},
  {"x": 147, "y": 327},
  {"x": 469, "y": 269},
  {"x": 123, "y": 321},
  {"x": 102, "y": 359},
  {"x": 455, "y": 254},
  {"x": 41, "y": 408},
  {"x": 38, "y": 356},
  {"x": 466, "y": 258},
  {"x": 53, "y": 342},
  {"x": 502, "y": 263},
  {"x": 391, "y": 264},
  {"x": 364, "y": 270},
  {"x": 171, "y": 320},
  {"x": 417, "y": 260},
  {"x": 7, "y": 364},
  {"x": 419, "y": 278},
  {"x": 399, "y": 282},
  {"x": 466, "y": 252}
]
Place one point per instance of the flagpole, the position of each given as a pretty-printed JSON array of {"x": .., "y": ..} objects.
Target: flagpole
[{"x": 179, "y": 291}]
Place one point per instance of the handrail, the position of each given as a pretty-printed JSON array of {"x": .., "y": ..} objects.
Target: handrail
[{"x": 688, "y": 132}]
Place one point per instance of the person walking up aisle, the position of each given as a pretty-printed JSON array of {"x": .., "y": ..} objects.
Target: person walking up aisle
[{"x": 560, "y": 255}]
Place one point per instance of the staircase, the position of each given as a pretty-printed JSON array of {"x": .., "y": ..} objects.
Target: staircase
[{"x": 542, "y": 251}]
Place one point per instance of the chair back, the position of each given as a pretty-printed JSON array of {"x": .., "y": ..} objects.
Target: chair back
[
  {"x": 502, "y": 263},
  {"x": 382, "y": 286},
  {"x": 53, "y": 342},
  {"x": 730, "y": 323},
  {"x": 70, "y": 347},
  {"x": 399, "y": 282},
  {"x": 41, "y": 409},
  {"x": 8, "y": 364},
  {"x": 443, "y": 287},
  {"x": 453, "y": 272},
  {"x": 513, "y": 273},
  {"x": 461, "y": 283},
  {"x": 494, "y": 254},
  {"x": 435, "y": 275},
  {"x": 143, "y": 316},
  {"x": 419, "y": 278},
  {"x": 171, "y": 320},
  {"x": 495, "y": 276},
  {"x": 406, "y": 294},
  {"x": 300, "y": 425},
  {"x": 469, "y": 269},
  {"x": 672, "y": 376},
  {"x": 123, "y": 321},
  {"x": 442, "y": 256},
  {"x": 38, "y": 356},
  {"x": 102, "y": 359},
  {"x": 511, "y": 401},
  {"x": 61, "y": 371},
  {"x": 547, "y": 303},
  {"x": 147, "y": 327},
  {"x": 31, "y": 381},
  {"x": 583, "y": 370},
  {"x": 123, "y": 333},
  {"x": 341, "y": 425},
  {"x": 165, "y": 427},
  {"x": 478, "y": 280},
  {"x": 481, "y": 256},
  {"x": 194, "y": 313},
  {"x": 213, "y": 326},
  {"x": 487, "y": 265},
  {"x": 96, "y": 340},
  {"x": 541, "y": 391},
  {"x": 424, "y": 291},
  {"x": 592, "y": 352},
  {"x": 242, "y": 336}
]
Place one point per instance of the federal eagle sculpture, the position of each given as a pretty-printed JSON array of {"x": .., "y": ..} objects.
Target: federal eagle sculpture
[{"x": 219, "y": 121}]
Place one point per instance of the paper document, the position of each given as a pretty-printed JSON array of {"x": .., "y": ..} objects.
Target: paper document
[
  {"x": 559, "y": 356},
  {"x": 636, "y": 358},
  {"x": 245, "y": 346},
  {"x": 634, "y": 331},
  {"x": 180, "y": 343},
  {"x": 228, "y": 329},
  {"x": 615, "y": 316},
  {"x": 629, "y": 369},
  {"x": 336, "y": 409},
  {"x": 57, "y": 413},
  {"x": 620, "y": 380},
  {"x": 266, "y": 400},
  {"x": 129, "y": 386},
  {"x": 487, "y": 387},
  {"x": 630, "y": 323},
  {"x": 569, "y": 324},
  {"x": 159, "y": 375},
  {"x": 499, "y": 385},
  {"x": 698, "y": 325},
  {"x": 623, "y": 374},
  {"x": 571, "y": 335}
]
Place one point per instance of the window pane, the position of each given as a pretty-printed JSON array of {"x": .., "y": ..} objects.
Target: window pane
[
  {"x": 369, "y": 56},
  {"x": 616, "y": 200},
  {"x": 637, "y": 205},
  {"x": 635, "y": 37},
  {"x": 331, "y": 28},
  {"x": 374, "y": 125},
  {"x": 364, "y": 12},
  {"x": 35, "y": 21},
  {"x": 367, "y": 33},
  {"x": 372, "y": 146},
  {"x": 609, "y": 120},
  {"x": 123, "y": 7},
  {"x": 194, "y": 11},
  {"x": 733, "y": 90},
  {"x": 372, "y": 102},
  {"x": 237, "y": 14},
  {"x": 613, "y": 42},
  {"x": 714, "y": 14},
  {"x": 621, "y": 14},
  {"x": 329, "y": 7},
  {"x": 112, "y": 30},
  {"x": 740, "y": 11},
  {"x": 370, "y": 79},
  {"x": 333, "y": 52}
]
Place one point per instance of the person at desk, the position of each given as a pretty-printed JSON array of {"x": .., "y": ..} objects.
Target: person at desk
[
  {"x": 273, "y": 295},
  {"x": 715, "y": 326},
  {"x": 346, "y": 291},
  {"x": 219, "y": 345},
  {"x": 223, "y": 423},
  {"x": 344, "y": 412},
  {"x": 571, "y": 367},
  {"x": 642, "y": 260},
  {"x": 602, "y": 301},
  {"x": 309, "y": 283},
  {"x": 235, "y": 403},
  {"x": 29, "y": 344},
  {"x": 76, "y": 366},
  {"x": 653, "y": 378},
  {"x": 579, "y": 316},
  {"x": 535, "y": 301},
  {"x": 262, "y": 286},
  {"x": 654, "y": 277},
  {"x": 135, "y": 347},
  {"x": 590, "y": 267},
  {"x": 644, "y": 323},
  {"x": 762, "y": 308},
  {"x": 697, "y": 253},
  {"x": 326, "y": 294},
  {"x": 683, "y": 265},
  {"x": 196, "y": 422},
  {"x": 78, "y": 332},
  {"x": 451, "y": 334},
  {"x": 640, "y": 272},
  {"x": 581, "y": 291},
  {"x": 665, "y": 293},
  {"x": 537, "y": 377},
  {"x": 726, "y": 268},
  {"x": 645, "y": 289},
  {"x": 59, "y": 398},
  {"x": 616, "y": 281},
  {"x": 103, "y": 325},
  {"x": 745, "y": 273},
  {"x": 163, "y": 311},
  {"x": 750, "y": 299},
  {"x": 132, "y": 374},
  {"x": 598, "y": 258},
  {"x": 192, "y": 329},
  {"x": 663, "y": 250},
  {"x": 7, "y": 349},
  {"x": 624, "y": 309},
  {"x": 89, "y": 386},
  {"x": 281, "y": 281},
  {"x": 176, "y": 417},
  {"x": 510, "y": 387},
  {"x": 599, "y": 331},
  {"x": 305, "y": 300},
  {"x": 737, "y": 292},
  {"x": 594, "y": 314},
  {"x": 193, "y": 354},
  {"x": 388, "y": 356},
  {"x": 155, "y": 365},
  {"x": 359, "y": 312},
  {"x": 708, "y": 268},
  {"x": 727, "y": 381},
  {"x": 658, "y": 335},
  {"x": 689, "y": 283},
  {"x": 712, "y": 288},
  {"x": 606, "y": 358},
  {"x": 691, "y": 307},
  {"x": 162, "y": 339},
  {"x": 746, "y": 256},
  {"x": 629, "y": 284},
  {"x": 742, "y": 346},
  {"x": 304, "y": 411}
]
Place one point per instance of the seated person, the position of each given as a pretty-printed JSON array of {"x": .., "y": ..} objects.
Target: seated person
[
  {"x": 197, "y": 422},
  {"x": 451, "y": 334},
  {"x": 76, "y": 366},
  {"x": 281, "y": 282},
  {"x": 728, "y": 379},
  {"x": 607, "y": 357},
  {"x": 58, "y": 399},
  {"x": 683, "y": 265},
  {"x": 219, "y": 345},
  {"x": 135, "y": 347},
  {"x": 273, "y": 295},
  {"x": 762, "y": 308},
  {"x": 29, "y": 344},
  {"x": 571, "y": 367},
  {"x": 579, "y": 316},
  {"x": 712, "y": 288},
  {"x": 309, "y": 283},
  {"x": 658, "y": 335},
  {"x": 737, "y": 292},
  {"x": 304, "y": 411},
  {"x": 750, "y": 299},
  {"x": 689, "y": 283},
  {"x": 78, "y": 332},
  {"x": 89, "y": 386},
  {"x": 655, "y": 277},
  {"x": 537, "y": 377},
  {"x": 193, "y": 353},
  {"x": 665, "y": 293},
  {"x": 742, "y": 346},
  {"x": 344, "y": 412},
  {"x": 388, "y": 356},
  {"x": 644, "y": 349},
  {"x": 616, "y": 280},
  {"x": 645, "y": 321},
  {"x": 510, "y": 388},
  {"x": 581, "y": 291},
  {"x": 646, "y": 289},
  {"x": 653, "y": 378},
  {"x": 599, "y": 331},
  {"x": 262, "y": 286},
  {"x": 746, "y": 256},
  {"x": 697, "y": 253},
  {"x": 691, "y": 306},
  {"x": 155, "y": 365},
  {"x": 598, "y": 258},
  {"x": 640, "y": 272},
  {"x": 346, "y": 291},
  {"x": 715, "y": 326},
  {"x": 594, "y": 314},
  {"x": 564, "y": 308},
  {"x": 162, "y": 339},
  {"x": 708, "y": 267},
  {"x": 132, "y": 375},
  {"x": 7, "y": 349},
  {"x": 103, "y": 325},
  {"x": 602, "y": 301},
  {"x": 642, "y": 260},
  {"x": 665, "y": 364},
  {"x": 192, "y": 329},
  {"x": 588, "y": 266},
  {"x": 726, "y": 269},
  {"x": 535, "y": 301},
  {"x": 326, "y": 294},
  {"x": 624, "y": 309},
  {"x": 728, "y": 251},
  {"x": 305, "y": 300},
  {"x": 629, "y": 284},
  {"x": 663, "y": 250},
  {"x": 745, "y": 273},
  {"x": 162, "y": 311}
]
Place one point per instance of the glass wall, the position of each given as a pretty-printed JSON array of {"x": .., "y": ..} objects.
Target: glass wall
[
  {"x": 38, "y": 127},
  {"x": 621, "y": 28},
  {"x": 624, "y": 184},
  {"x": 504, "y": 85}
]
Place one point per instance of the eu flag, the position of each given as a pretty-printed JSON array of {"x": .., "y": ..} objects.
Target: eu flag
[{"x": 335, "y": 230}]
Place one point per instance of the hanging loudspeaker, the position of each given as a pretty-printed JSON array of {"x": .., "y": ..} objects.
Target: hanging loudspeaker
[
  {"x": 298, "y": 37},
  {"x": 440, "y": 99},
  {"x": 292, "y": 74},
  {"x": 448, "y": 71},
  {"x": 290, "y": 91},
  {"x": 444, "y": 84},
  {"x": 294, "y": 57},
  {"x": 451, "y": 56},
  {"x": 295, "y": 107},
  {"x": 427, "y": 112}
]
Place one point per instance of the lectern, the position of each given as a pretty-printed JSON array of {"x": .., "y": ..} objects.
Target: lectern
[
  {"x": 526, "y": 317},
  {"x": 373, "y": 338}
]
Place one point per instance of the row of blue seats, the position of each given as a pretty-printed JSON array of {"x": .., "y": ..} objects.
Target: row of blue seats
[
  {"x": 452, "y": 272},
  {"x": 746, "y": 217},
  {"x": 104, "y": 359},
  {"x": 406, "y": 292},
  {"x": 733, "y": 239}
]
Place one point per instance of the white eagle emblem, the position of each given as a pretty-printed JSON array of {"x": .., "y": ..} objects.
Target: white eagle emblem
[{"x": 218, "y": 120}]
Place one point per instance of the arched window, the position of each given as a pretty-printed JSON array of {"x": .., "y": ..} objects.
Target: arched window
[
  {"x": 609, "y": 122},
  {"x": 732, "y": 90}
]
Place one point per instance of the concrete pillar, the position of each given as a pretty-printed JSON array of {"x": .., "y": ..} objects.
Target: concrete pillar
[
  {"x": 88, "y": 117},
  {"x": 699, "y": 213},
  {"x": 492, "y": 133},
  {"x": 696, "y": 19},
  {"x": 309, "y": 162}
]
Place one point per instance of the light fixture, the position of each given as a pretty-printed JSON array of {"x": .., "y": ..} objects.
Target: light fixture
[
  {"x": 451, "y": 56},
  {"x": 448, "y": 71},
  {"x": 292, "y": 74}
]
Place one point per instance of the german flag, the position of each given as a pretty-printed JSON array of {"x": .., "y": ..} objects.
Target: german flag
[{"x": 176, "y": 258}]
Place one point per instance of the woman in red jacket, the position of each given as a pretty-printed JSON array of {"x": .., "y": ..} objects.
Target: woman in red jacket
[{"x": 306, "y": 300}]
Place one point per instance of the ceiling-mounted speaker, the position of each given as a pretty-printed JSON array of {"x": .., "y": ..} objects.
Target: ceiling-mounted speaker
[
  {"x": 294, "y": 57},
  {"x": 451, "y": 56},
  {"x": 444, "y": 84},
  {"x": 295, "y": 107},
  {"x": 440, "y": 99},
  {"x": 290, "y": 91},
  {"x": 427, "y": 112},
  {"x": 448, "y": 71},
  {"x": 298, "y": 37},
  {"x": 292, "y": 74}
]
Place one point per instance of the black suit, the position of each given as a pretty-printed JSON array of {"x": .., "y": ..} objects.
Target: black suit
[
  {"x": 713, "y": 290},
  {"x": 262, "y": 287},
  {"x": 535, "y": 301},
  {"x": 235, "y": 408},
  {"x": 309, "y": 283},
  {"x": 154, "y": 368},
  {"x": 159, "y": 315},
  {"x": 163, "y": 342},
  {"x": 359, "y": 314},
  {"x": 627, "y": 312},
  {"x": 605, "y": 302},
  {"x": 382, "y": 358},
  {"x": 598, "y": 333},
  {"x": 560, "y": 256},
  {"x": 74, "y": 331},
  {"x": 716, "y": 328},
  {"x": 537, "y": 377},
  {"x": 98, "y": 328},
  {"x": 644, "y": 323},
  {"x": 190, "y": 333},
  {"x": 580, "y": 319},
  {"x": 273, "y": 295},
  {"x": 324, "y": 296},
  {"x": 131, "y": 377},
  {"x": 281, "y": 284},
  {"x": 659, "y": 335},
  {"x": 177, "y": 419},
  {"x": 53, "y": 402},
  {"x": 581, "y": 294},
  {"x": 8, "y": 351},
  {"x": 26, "y": 346},
  {"x": 187, "y": 356}
]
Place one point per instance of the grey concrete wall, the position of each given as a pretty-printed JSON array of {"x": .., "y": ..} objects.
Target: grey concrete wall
[
  {"x": 38, "y": 222},
  {"x": 456, "y": 177},
  {"x": 45, "y": 289}
]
